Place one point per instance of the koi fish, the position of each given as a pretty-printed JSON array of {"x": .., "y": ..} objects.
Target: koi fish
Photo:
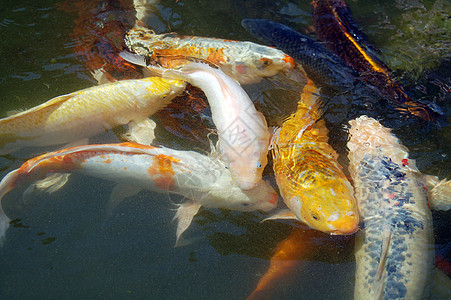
[
  {"x": 336, "y": 28},
  {"x": 395, "y": 255},
  {"x": 311, "y": 181},
  {"x": 245, "y": 62},
  {"x": 242, "y": 130},
  {"x": 321, "y": 65},
  {"x": 284, "y": 260},
  {"x": 90, "y": 111},
  {"x": 202, "y": 179}
]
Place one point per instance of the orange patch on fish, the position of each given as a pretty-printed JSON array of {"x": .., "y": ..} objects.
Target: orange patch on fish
[{"x": 162, "y": 172}]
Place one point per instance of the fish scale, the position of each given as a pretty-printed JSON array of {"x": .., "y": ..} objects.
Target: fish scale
[
  {"x": 395, "y": 255},
  {"x": 88, "y": 112}
]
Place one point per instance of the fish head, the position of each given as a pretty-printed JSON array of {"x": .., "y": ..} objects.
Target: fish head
[
  {"x": 230, "y": 196},
  {"x": 246, "y": 162},
  {"x": 319, "y": 196},
  {"x": 259, "y": 62},
  {"x": 330, "y": 209}
]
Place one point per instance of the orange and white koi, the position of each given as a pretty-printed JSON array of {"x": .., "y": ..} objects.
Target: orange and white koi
[
  {"x": 395, "y": 252},
  {"x": 246, "y": 62},
  {"x": 85, "y": 113},
  {"x": 242, "y": 130},
  {"x": 311, "y": 181},
  {"x": 202, "y": 179}
]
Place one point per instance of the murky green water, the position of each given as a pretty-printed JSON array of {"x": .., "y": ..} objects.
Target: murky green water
[{"x": 63, "y": 245}]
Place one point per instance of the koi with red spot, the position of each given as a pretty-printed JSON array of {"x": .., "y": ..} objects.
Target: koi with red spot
[
  {"x": 202, "y": 179},
  {"x": 246, "y": 62},
  {"x": 395, "y": 252},
  {"x": 336, "y": 28}
]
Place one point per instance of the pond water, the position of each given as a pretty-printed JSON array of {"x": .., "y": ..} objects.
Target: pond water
[{"x": 64, "y": 246}]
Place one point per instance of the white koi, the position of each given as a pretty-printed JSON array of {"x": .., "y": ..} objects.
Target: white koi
[
  {"x": 85, "y": 113},
  {"x": 202, "y": 179},
  {"x": 242, "y": 130}
]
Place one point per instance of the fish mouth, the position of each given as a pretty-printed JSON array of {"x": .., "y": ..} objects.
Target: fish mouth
[{"x": 345, "y": 226}]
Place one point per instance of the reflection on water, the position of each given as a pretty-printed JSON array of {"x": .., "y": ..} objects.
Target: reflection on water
[{"x": 64, "y": 246}]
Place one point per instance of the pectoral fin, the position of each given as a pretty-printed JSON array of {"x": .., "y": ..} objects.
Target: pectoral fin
[
  {"x": 141, "y": 132},
  {"x": 439, "y": 192},
  {"x": 184, "y": 217},
  {"x": 50, "y": 184},
  {"x": 119, "y": 193},
  {"x": 284, "y": 214}
]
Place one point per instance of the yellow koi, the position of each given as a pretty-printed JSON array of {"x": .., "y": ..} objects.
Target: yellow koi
[
  {"x": 311, "y": 181},
  {"x": 90, "y": 111}
]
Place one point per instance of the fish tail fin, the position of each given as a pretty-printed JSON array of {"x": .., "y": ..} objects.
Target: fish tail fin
[{"x": 6, "y": 185}]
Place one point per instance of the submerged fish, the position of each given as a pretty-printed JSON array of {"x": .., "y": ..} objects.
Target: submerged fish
[
  {"x": 336, "y": 28},
  {"x": 395, "y": 255},
  {"x": 202, "y": 179},
  {"x": 245, "y": 62},
  {"x": 242, "y": 130},
  {"x": 311, "y": 181},
  {"x": 321, "y": 65},
  {"x": 85, "y": 113}
]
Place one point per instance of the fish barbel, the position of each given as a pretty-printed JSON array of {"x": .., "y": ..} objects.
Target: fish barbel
[
  {"x": 90, "y": 111},
  {"x": 202, "y": 179},
  {"x": 242, "y": 130},
  {"x": 311, "y": 181},
  {"x": 395, "y": 253},
  {"x": 246, "y": 62}
]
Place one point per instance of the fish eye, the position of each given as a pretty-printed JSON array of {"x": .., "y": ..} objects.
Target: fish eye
[
  {"x": 245, "y": 204},
  {"x": 315, "y": 216},
  {"x": 259, "y": 164}
]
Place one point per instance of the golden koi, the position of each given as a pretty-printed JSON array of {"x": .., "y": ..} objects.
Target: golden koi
[
  {"x": 311, "y": 181},
  {"x": 395, "y": 253},
  {"x": 246, "y": 62},
  {"x": 242, "y": 130},
  {"x": 90, "y": 111},
  {"x": 202, "y": 179}
]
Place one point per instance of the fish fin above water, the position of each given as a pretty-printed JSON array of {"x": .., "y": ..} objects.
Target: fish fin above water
[
  {"x": 283, "y": 214},
  {"x": 439, "y": 192},
  {"x": 184, "y": 216},
  {"x": 141, "y": 132},
  {"x": 50, "y": 184},
  {"x": 119, "y": 193}
]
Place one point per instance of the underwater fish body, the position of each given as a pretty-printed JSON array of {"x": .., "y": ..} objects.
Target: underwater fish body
[
  {"x": 335, "y": 27},
  {"x": 311, "y": 181},
  {"x": 395, "y": 253},
  {"x": 88, "y": 112},
  {"x": 321, "y": 65},
  {"x": 245, "y": 62},
  {"x": 202, "y": 179}
]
